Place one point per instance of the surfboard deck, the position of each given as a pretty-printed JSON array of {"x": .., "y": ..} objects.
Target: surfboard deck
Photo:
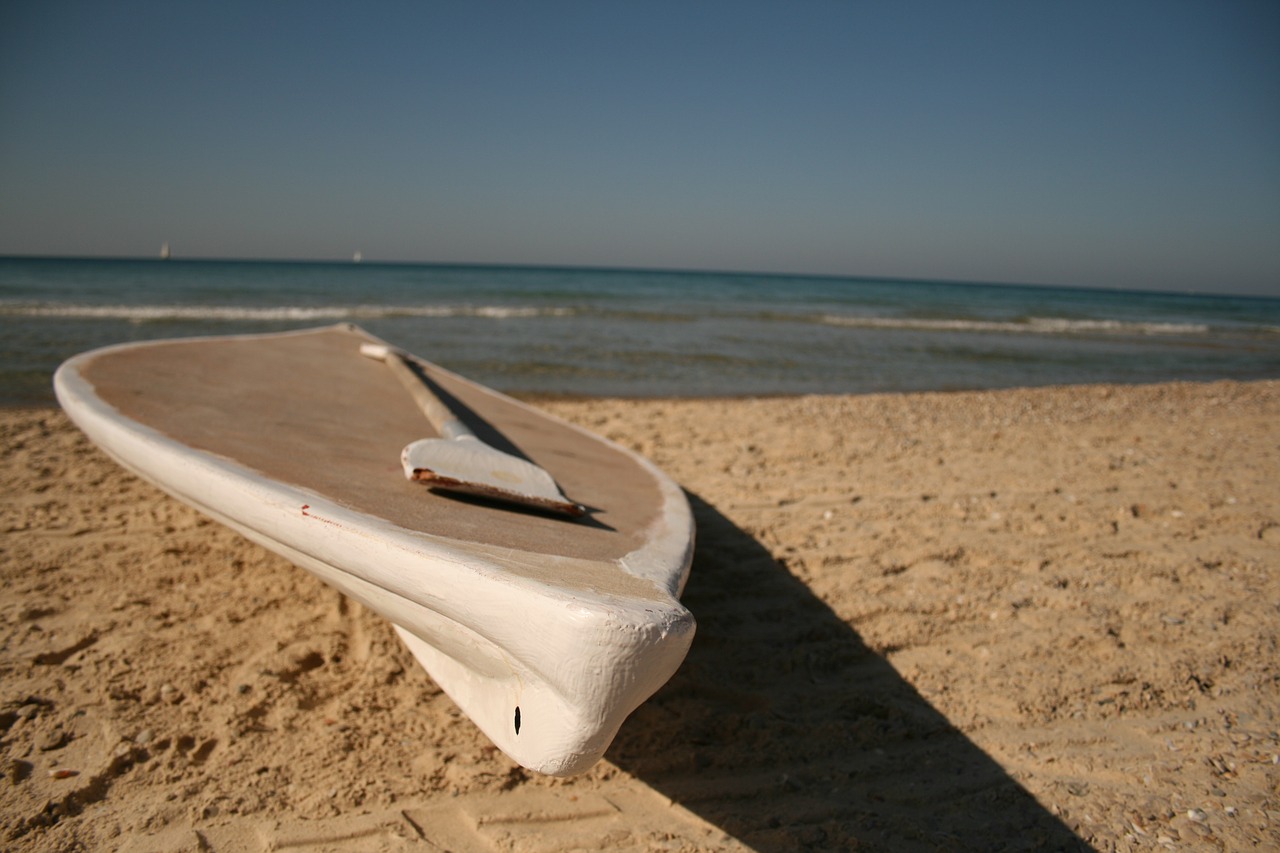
[{"x": 546, "y": 631}]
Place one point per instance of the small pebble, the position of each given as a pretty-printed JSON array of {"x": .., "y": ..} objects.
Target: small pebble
[
  {"x": 55, "y": 739},
  {"x": 18, "y": 770},
  {"x": 1197, "y": 815},
  {"x": 144, "y": 737}
]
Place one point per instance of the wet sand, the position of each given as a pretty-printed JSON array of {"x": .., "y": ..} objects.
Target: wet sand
[{"x": 974, "y": 620}]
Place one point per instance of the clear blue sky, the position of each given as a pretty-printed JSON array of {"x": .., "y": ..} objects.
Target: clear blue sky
[{"x": 1112, "y": 144}]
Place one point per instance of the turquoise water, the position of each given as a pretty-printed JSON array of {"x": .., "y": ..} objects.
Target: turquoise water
[{"x": 645, "y": 333}]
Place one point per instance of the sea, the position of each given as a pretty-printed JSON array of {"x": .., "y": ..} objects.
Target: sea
[{"x": 645, "y": 333}]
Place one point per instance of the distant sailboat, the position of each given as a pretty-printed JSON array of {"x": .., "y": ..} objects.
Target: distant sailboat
[
  {"x": 164, "y": 252},
  {"x": 356, "y": 258}
]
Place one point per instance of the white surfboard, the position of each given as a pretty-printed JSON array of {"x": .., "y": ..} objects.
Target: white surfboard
[{"x": 547, "y": 631}]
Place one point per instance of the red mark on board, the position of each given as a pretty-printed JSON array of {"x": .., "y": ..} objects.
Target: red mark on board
[{"x": 306, "y": 514}]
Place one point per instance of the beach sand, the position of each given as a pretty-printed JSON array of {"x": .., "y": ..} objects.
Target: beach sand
[{"x": 1001, "y": 620}]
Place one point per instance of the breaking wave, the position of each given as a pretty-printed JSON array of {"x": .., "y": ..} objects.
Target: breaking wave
[
  {"x": 1025, "y": 326},
  {"x": 1046, "y": 326},
  {"x": 274, "y": 313}
]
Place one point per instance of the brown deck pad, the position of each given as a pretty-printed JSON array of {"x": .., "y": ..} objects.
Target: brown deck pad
[{"x": 309, "y": 410}]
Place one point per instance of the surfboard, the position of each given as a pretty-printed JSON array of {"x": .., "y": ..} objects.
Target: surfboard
[{"x": 546, "y": 631}]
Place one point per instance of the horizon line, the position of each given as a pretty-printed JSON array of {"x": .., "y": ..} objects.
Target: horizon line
[{"x": 707, "y": 271}]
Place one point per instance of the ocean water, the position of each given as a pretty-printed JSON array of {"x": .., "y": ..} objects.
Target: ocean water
[{"x": 645, "y": 333}]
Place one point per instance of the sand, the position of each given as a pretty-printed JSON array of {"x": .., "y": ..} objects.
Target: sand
[{"x": 1035, "y": 618}]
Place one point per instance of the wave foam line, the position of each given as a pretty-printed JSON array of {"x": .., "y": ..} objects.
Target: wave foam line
[
  {"x": 153, "y": 313},
  {"x": 1030, "y": 326}
]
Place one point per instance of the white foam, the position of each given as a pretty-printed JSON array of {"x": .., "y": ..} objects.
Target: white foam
[
  {"x": 273, "y": 313},
  {"x": 1030, "y": 326}
]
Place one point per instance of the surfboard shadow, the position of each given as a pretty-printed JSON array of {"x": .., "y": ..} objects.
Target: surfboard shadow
[{"x": 786, "y": 731}]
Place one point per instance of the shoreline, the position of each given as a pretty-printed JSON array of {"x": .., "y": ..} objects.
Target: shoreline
[
  {"x": 925, "y": 618},
  {"x": 551, "y": 398}
]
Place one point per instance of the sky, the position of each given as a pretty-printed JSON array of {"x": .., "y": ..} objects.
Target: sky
[{"x": 1098, "y": 144}]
